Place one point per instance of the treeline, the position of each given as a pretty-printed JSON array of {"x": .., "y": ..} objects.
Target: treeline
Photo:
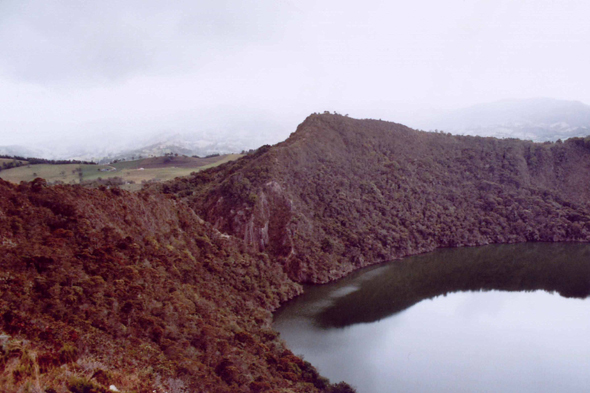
[
  {"x": 583, "y": 142},
  {"x": 207, "y": 156},
  {"x": 116, "y": 181},
  {"x": 18, "y": 161}
]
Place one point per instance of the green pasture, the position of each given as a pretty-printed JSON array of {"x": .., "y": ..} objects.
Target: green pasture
[
  {"x": 66, "y": 173},
  {"x": 127, "y": 170}
]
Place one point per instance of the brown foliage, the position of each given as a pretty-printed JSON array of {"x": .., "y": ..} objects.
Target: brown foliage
[
  {"x": 134, "y": 290},
  {"x": 342, "y": 193}
]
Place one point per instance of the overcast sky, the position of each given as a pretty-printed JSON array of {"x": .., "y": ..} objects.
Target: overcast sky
[{"x": 72, "y": 70}]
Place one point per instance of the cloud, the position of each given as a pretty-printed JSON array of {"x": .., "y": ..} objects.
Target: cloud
[
  {"x": 110, "y": 41},
  {"x": 126, "y": 66}
]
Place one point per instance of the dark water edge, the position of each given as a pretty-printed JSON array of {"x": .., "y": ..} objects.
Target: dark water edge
[{"x": 344, "y": 328}]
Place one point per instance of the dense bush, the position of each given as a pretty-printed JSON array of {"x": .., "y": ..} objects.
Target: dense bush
[{"x": 137, "y": 291}]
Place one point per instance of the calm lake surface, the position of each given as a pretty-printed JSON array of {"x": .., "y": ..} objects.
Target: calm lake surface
[{"x": 501, "y": 318}]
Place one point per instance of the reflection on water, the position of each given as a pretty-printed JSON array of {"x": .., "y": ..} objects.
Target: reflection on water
[{"x": 458, "y": 320}]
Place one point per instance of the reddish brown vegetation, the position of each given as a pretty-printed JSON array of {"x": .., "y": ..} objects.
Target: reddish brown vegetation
[
  {"x": 134, "y": 290},
  {"x": 342, "y": 193},
  {"x": 102, "y": 287}
]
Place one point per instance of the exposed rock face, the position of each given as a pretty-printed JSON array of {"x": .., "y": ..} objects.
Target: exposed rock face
[{"x": 342, "y": 193}]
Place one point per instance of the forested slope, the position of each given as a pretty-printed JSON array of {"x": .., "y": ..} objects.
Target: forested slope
[
  {"x": 342, "y": 193},
  {"x": 101, "y": 287}
]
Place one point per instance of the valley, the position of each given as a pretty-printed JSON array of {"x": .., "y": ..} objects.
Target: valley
[{"x": 129, "y": 175}]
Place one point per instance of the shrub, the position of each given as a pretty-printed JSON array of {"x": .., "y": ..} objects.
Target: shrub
[
  {"x": 83, "y": 385},
  {"x": 25, "y": 368},
  {"x": 68, "y": 353},
  {"x": 341, "y": 387}
]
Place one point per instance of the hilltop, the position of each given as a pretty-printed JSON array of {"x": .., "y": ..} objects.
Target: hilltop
[{"x": 342, "y": 193}]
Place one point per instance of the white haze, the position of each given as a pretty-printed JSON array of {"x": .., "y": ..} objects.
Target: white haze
[{"x": 107, "y": 74}]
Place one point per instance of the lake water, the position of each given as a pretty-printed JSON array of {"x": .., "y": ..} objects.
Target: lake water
[{"x": 501, "y": 318}]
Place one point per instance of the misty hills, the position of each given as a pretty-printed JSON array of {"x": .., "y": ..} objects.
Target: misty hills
[
  {"x": 181, "y": 144},
  {"x": 540, "y": 119},
  {"x": 171, "y": 288},
  {"x": 537, "y": 119},
  {"x": 105, "y": 150},
  {"x": 20, "y": 151}
]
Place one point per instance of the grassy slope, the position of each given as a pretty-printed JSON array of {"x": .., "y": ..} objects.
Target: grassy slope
[
  {"x": 46, "y": 171},
  {"x": 3, "y": 160}
]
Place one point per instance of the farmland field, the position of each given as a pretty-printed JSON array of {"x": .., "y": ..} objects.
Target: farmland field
[
  {"x": 66, "y": 173},
  {"x": 133, "y": 173},
  {"x": 3, "y": 160}
]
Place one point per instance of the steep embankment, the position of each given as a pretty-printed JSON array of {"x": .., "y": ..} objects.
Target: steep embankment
[
  {"x": 342, "y": 193},
  {"x": 101, "y": 287}
]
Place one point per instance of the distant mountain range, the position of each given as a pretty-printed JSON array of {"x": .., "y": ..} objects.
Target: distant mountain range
[
  {"x": 21, "y": 151},
  {"x": 182, "y": 144},
  {"x": 537, "y": 119}
]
